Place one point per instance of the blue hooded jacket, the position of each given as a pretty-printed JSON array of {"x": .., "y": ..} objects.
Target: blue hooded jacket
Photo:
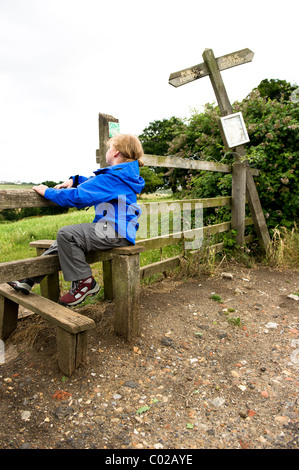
[{"x": 113, "y": 193}]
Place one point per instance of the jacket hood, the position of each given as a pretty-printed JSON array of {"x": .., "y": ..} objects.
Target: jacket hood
[{"x": 127, "y": 172}]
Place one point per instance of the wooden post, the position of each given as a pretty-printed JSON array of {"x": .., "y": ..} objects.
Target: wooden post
[
  {"x": 238, "y": 192},
  {"x": 71, "y": 350},
  {"x": 104, "y": 120},
  {"x": 8, "y": 317},
  {"x": 126, "y": 288},
  {"x": 217, "y": 83},
  {"x": 49, "y": 286},
  {"x": 256, "y": 211},
  {"x": 108, "y": 280},
  {"x": 238, "y": 201},
  {"x": 238, "y": 169}
]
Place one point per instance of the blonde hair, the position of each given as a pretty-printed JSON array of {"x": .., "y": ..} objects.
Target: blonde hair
[{"x": 129, "y": 146}]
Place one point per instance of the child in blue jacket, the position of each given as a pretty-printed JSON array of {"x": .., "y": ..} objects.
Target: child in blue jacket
[{"x": 112, "y": 190}]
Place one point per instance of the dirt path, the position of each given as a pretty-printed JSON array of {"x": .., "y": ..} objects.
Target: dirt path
[{"x": 206, "y": 373}]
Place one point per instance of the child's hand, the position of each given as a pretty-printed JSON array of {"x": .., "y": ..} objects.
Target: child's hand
[
  {"x": 66, "y": 184},
  {"x": 40, "y": 189}
]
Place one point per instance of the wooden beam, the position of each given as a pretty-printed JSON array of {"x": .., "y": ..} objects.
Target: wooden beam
[
  {"x": 201, "y": 70},
  {"x": 57, "y": 314},
  {"x": 188, "y": 163},
  {"x": 20, "y": 198},
  {"x": 217, "y": 83},
  {"x": 30, "y": 267},
  {"x": 257, "y": 211}
]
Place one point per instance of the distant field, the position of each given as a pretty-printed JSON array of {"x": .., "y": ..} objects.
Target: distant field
[{"x": 16, "y": 186}]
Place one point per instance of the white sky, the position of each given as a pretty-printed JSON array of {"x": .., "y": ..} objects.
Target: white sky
[{"x": 64, "y": 61}]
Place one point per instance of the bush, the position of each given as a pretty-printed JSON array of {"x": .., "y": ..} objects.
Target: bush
[{"x": 273, "y": 148}]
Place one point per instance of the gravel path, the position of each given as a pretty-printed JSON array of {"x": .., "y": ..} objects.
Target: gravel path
[{"x": 216, "y": 367}]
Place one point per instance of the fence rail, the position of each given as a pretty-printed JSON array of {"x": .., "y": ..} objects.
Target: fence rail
[
  {"x": 40, "y": 265},
  {"x": 190, "y": 164}
]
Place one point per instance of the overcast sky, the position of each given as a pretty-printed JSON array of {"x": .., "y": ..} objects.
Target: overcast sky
[{"x": 64, "y": 61}]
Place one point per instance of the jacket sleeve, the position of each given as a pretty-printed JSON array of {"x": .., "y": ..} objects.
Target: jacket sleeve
[
  {"x": 78, "y": 179},
  {"x": 101, "y": 188}
]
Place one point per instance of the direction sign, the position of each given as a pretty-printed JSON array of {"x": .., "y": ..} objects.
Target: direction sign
[{"x": 201, "y": 70}]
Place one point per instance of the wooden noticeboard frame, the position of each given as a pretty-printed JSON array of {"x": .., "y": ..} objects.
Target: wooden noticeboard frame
[{"x": 234, "y": 130}]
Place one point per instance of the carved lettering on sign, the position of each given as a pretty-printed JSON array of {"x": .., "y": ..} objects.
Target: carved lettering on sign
[
  {"x": 230, "y": 61},
  {"x": 190, "y": 74}
]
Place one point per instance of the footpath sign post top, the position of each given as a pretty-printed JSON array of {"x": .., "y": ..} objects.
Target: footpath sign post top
[
  {"x": 212, "y": 67},
  {"x": 201, "y": 70}
]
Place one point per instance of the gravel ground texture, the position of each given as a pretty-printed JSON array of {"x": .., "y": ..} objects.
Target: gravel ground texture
[{"x": 216, "y": 367}]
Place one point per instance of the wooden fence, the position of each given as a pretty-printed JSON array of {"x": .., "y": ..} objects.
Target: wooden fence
[{"x": 41, "y": 265}]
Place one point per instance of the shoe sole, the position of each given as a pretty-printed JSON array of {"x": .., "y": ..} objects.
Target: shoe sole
[
  {"x": 91, "y": 293},
  {"x": 18, "y": 288}
]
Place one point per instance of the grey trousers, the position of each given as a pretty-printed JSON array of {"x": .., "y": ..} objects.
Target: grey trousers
[{"x": 73, "y": 241}]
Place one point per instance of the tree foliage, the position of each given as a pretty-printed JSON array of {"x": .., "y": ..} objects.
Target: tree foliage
[
  {"x": 272, "y": 121},
  {"x": 155, "y": 140}
]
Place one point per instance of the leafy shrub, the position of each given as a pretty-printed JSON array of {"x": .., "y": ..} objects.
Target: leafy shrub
[{"x": 273, "y": 130}]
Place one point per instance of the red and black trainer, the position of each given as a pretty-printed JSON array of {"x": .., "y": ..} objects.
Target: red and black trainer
[{"x": 79, "y": 291}]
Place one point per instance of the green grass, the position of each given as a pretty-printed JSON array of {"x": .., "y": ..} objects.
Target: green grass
[{"x": 16, "y": 236}]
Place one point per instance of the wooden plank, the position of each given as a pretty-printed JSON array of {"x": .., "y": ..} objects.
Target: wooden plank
[
  {"x": 188, "y": 163},
  {"x": 178, "y": 237},
  {"x": 161, "y": 206},
  {"x": 37, "y": 266},
  {"x": 50, "y": 311},
  {"x": 201, "y": 70},
  {"x": 29, "y": 267},
  {"x": 185, "y": 163},
  {"x": 171, "y": 263},
  {"x": 20, "y": 198},
  {"x": 257, "y": 211},
  {"x": 160, "y": 266},
  {"x": 45, "y": 244}
]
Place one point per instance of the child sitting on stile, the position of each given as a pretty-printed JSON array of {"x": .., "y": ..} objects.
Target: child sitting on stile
[{"x": 113, "y": 191}]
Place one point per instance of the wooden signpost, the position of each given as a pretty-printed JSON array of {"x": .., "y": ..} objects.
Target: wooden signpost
[
  {"x": 201, "y": 70},
  {"x": 243, "y": 184}
]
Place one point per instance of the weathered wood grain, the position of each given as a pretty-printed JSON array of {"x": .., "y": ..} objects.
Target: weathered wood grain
[
  {"x": 201, "y": 70},
  {"x": 61, "y": 316},
  {"x": 189, "y": 164},
  {"x": 20, "y": 198}
]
